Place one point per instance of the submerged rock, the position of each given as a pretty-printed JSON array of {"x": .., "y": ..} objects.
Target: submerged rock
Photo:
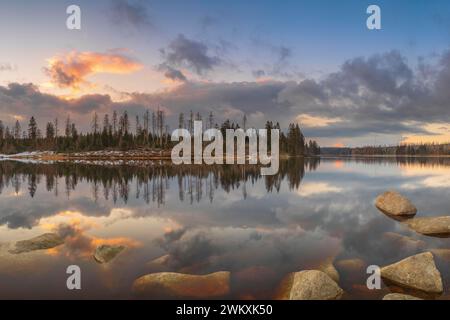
[
  {"x": 399, "y": 296},
  {"x": 417, "y": 272},
  {"x": 441, "y": 253},
  {"x": 393, "y": 203},
  {"x": 160, "y": 263},
  {"x": 314, "y": 285},
  {"x": 403, "y": 241},
  {"x": 353, "y": 264},
  {"x": 329, "y": 269},
  {"x": 431, "y": 226},
  {"x": 105, "y": 253},
  {"x": 44, "y": 241},
  {"x": 179, "y": 285},
  {"x": 283, "y": 290}
]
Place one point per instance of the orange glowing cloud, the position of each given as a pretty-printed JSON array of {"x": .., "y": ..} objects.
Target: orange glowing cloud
[
  {"x": 439, "y": 133},
  {"x": 315, "y": 121},
  {"x": 73, "y": 227},
  {"x": 70, "y": 70}
]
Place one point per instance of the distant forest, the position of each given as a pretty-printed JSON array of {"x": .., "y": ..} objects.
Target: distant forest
[
  {"x": 405, "y": 150},
  {"x": 115, "y": 132},
  {"x": 425, "y": 149}
]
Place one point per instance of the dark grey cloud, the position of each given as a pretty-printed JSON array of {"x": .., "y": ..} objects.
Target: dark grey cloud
[
  {"x": 130, "y": 13},
  {"x": 279, "y": 65},
  {"x": 258, "y": 73},
  {"x": 192, "y": 54},
  {"x": 172, "y": 73}
]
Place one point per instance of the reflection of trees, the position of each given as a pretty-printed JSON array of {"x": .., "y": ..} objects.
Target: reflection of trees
[
  {"x": 151, "y": 182},
  {"x": 416, "y": 161}
]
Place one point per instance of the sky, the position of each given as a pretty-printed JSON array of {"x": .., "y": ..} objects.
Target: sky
[{"x": 309, "y": 62}]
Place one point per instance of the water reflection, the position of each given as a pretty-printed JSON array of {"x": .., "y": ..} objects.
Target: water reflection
[
  {"x": 207, "y": 219},
  {"x": 151, "y": 182}
]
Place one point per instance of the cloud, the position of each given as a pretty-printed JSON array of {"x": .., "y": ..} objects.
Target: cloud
[
  {"x": 279, "y": 57},
  {"x": 310, "y": 189},
  {"x": 130, "y": 13},
  {"x": 258, "y": 73},
  {"x": 70, "y": 70},
  {"x": 172, "y": 73},
  {"x": 6, "y": 66},
  {"x": 382, "y": 94},
  {"x": 207, "y": 22},
  {"x": 192, "y": 54},
  {"x": 311, "y": 121}
]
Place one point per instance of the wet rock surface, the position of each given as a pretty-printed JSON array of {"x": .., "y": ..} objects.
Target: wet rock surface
[{"x": 179, "y": 285}]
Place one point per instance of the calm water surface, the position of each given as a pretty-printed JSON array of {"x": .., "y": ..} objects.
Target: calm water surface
[{"x": 209, "y": 219}]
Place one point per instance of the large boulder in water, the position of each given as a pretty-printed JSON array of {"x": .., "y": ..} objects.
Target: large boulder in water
[
  {"x": 44, "y": 241},
  {"x": 314, "y": 285},
  {"x": 393, "y": 203},
  {"x": 179, "y": 285},
  {"x": 417, "y": 272},
  {"x": 431, "y": 226}
]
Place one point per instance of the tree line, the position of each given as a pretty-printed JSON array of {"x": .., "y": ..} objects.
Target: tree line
[
  {"x": 405, "y": 150},
  {"x": 115, "y": 132}
]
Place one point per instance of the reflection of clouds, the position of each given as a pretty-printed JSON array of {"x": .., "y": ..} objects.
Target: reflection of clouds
[
  {"x": 309, "y": 189},
  {"x": 204, "y": 250},
  {"x": 269, "y": 233},
  {"x": 437, "y": 181},
  {"x": 426, "y": 176},
  {"x": 72, "y": 226},
  {"x": 241, "y": 247}
]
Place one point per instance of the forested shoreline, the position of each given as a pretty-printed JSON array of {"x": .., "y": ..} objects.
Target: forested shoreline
[{"x": 116, "y": 132}]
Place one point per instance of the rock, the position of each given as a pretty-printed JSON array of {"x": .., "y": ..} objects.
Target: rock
[
  {"x": 431, "y": 226},
  {"x": 441, "y": 253},
  {"x": 353, "y": 264},
  {"x": 399, "y": 296},
  {"x": 44, "y": 241},
  {"x": 403, "y": 241},
  {"x": 105, "y": 253},
  {"x": 417, "y": 272},
  {"x": 314, "y": 285},
  {"x": 328, "y": 268},
  {"x": 179, "y": 285},
  {"x": 160, "y": 263},
  {"x": 393, "y": 203},
  {"x": 283, "y": 291}
]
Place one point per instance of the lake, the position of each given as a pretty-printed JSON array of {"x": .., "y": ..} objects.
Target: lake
[{"x": 213, "y": 218}]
